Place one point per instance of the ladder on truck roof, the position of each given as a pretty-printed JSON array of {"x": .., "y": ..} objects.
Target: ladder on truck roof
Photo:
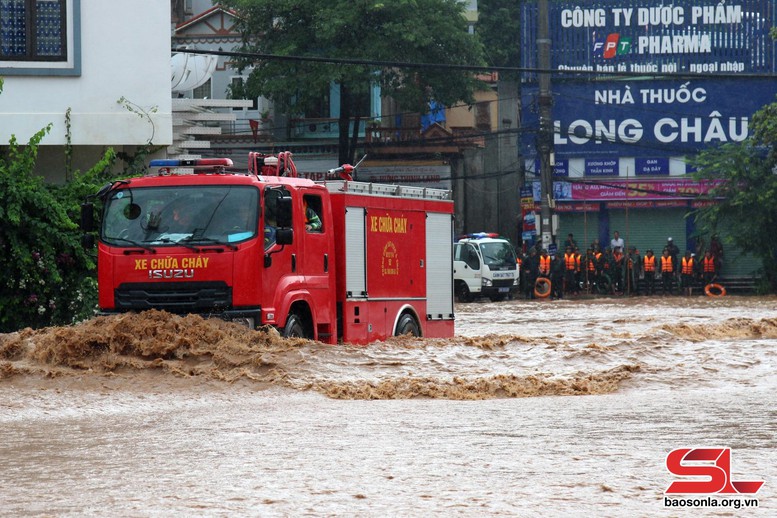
[{"x": 388, "y": 190}]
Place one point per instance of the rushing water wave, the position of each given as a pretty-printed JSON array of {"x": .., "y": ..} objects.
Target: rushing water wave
[
  {"x": 464, "y": 367},
  {"x": 153, "y": 413}
]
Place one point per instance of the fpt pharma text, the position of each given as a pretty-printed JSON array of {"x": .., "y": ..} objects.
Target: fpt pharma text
[{"x": 690, "y": 32}]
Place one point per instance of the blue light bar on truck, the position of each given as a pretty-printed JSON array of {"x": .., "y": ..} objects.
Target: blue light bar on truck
[
  {"x": 479, "y": 235},
  {"x": 199, "y": 162}
]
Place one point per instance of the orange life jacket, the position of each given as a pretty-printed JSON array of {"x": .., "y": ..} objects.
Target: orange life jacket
[
  {"x": 578, "y": 261},
  {"x": 544, "y": 264},
  {"x": 666, "y": 264},
  {"x": 650, "y": 263},
  {"x": 709, "y": 265},
  {"x": 687, "y": 265},
  {"x": 569, "y": 261}
]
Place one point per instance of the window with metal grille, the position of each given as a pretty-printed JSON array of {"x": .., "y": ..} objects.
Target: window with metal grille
[
  {"x": 33, "y": 30},
  {"x": 204, "y": 91}
]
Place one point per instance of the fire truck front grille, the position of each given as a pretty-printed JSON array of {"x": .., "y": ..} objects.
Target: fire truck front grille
[
  {"x": 176, "y": 297},
  {"x": 502, "y": 283}
]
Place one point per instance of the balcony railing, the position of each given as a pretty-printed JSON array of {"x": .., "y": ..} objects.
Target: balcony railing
[{"x": 384, "y": 135}]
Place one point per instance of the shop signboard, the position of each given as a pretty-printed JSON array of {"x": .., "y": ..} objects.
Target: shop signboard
[
  {"x": 560, "y": 168},
  {"x": 645, "y": 36},
  {"x": 651, "y": 118},
  {"x": 651, "y": 166},
  {"x": 656, "y": 107},
  {"x": 625, "y": 190}
]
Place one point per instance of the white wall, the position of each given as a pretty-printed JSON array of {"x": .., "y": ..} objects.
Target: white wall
[{"x": 125, "y": 52}]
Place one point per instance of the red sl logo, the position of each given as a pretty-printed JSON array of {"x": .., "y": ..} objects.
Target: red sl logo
[{"x": 713, "y": 463}]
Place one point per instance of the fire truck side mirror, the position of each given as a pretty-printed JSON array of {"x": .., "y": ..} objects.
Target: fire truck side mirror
[
  {"x": 87, "y": 217},
  {"x": 284, "y": 211}
]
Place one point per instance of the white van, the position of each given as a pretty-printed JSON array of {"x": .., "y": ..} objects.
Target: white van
[{"x": 484, "y": 265}]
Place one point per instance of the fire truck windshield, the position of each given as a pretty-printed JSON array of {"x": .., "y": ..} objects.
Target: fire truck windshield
[
  {"x": 160, "y": 216},
  {"x": 498, "y": 254}
]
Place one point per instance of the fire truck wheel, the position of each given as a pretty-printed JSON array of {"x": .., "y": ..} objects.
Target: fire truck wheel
[
  {"x": 407, "y": 325},
  {"x": 463, "y": 293},
  {"x": 295, "y": 327}
]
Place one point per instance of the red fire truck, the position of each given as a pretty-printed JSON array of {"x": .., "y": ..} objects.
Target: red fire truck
[{"x": 332, "y": 260}]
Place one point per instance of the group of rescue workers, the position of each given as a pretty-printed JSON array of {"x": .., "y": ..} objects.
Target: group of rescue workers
[{"x": 617, "y": 270}]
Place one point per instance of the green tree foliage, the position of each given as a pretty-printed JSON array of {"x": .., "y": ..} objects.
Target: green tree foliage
[
  {"x": 48, "y": 278},
  {"x": 748, "y": 192},
  {"x": 499, "y": 23},
  {"x": 420, "y": 31}
]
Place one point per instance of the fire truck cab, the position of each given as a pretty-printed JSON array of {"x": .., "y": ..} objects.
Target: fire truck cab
[
  {"x": 484, "y": 264},
  {"x": 333, "y": 261}
]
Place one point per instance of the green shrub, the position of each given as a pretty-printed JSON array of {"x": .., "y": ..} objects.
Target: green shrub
[{"x": 48, "y": 278}]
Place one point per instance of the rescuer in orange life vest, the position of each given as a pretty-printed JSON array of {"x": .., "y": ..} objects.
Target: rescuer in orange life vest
[
  {"x": 649, "y": 267},
  {"x": 544, "y": 263},
  {"x": 617, "y": 269},
  {"x": 590, "y": 269},
  {"x": 667, "y": 273},
  {"x": 571, "y": 265},
  {"x": 709, "y": 267},
  {"x": 687, "y": 271}
]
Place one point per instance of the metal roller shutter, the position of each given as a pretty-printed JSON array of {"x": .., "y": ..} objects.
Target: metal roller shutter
[
  {"x": 439, "y": 266},
  {"x": 583, "y": 225},
  {"x": 650, "y": 228}
]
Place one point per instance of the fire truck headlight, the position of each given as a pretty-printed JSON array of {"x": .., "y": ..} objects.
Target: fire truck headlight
[{"x": 485, "y": 282}]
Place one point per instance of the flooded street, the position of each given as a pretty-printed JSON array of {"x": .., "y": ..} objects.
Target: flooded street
[{"x": 534, "y": 408}]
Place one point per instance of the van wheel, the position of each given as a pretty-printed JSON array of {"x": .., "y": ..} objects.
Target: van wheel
[
  {"x": 463, "y": 293},
  {"x": 295, "y": 327},
  {"x": 407, "y": 325}
]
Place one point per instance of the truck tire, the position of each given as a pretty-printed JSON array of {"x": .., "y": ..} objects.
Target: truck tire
[
  {"x": 463, "y": 293},
  {"x": 407, "y": 325},
  {"x": 295, "y": 327}
]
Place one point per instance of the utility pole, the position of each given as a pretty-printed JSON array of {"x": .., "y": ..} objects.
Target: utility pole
[{"x": 545, "y": 137}]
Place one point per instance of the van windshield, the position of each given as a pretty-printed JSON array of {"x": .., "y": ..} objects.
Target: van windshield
[
  {"x": 166, "y": 215},
  {"x": 498, "y": 254}
]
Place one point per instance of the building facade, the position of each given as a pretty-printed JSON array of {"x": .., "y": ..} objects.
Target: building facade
[
  {"x": 638, "y": 89},
  {"x": 70, "y": 57}
]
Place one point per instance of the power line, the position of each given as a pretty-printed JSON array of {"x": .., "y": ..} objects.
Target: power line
[{"x": 258, "y": 56}]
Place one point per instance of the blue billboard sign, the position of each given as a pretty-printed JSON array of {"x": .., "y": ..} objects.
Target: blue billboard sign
[
  {"x": 601, "y": 167},
  {"x": 646, "y": 118},
  {"x": 560, "y": 168},
  {"x": 645, "y": 36},
  {"x": 651, "y": 166}
]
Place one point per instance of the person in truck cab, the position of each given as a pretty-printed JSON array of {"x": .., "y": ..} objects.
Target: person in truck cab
[
  {"x": 270, "y": 224},
  {"x": 270, "y": 218},
  {"x": 312, "y": 221}
]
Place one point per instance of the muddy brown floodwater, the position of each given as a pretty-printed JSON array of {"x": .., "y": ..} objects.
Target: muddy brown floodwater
[{"x": 562, "y": 408}]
